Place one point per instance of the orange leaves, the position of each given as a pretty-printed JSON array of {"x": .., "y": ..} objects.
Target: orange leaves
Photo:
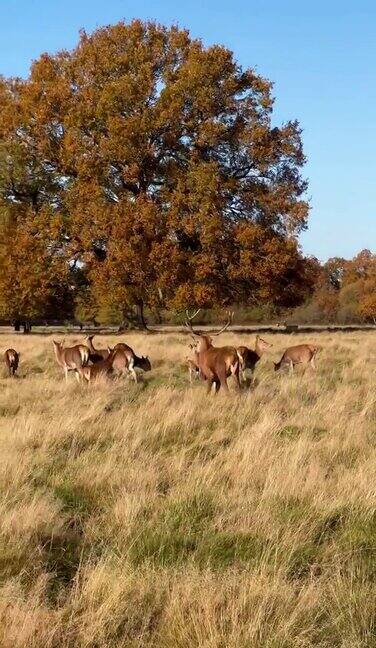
[{"x": 148, "y": 161}]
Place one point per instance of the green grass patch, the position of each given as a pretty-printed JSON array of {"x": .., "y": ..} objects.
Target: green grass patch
[
  {"x": 175, "y": 534},
  {"x": 219, "y": 550},
  {"x": 75, "y": 499},
  {"x": 290, "y": 509},
  {"x": 290, "y": 432}
]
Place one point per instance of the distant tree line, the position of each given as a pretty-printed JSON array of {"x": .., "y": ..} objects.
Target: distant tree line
[
  {"x": 344, "y": 292},
  {"x": 142, "y": 171}
]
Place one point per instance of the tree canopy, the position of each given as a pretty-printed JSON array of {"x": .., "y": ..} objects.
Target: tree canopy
[{"x": 144, "y": 168}]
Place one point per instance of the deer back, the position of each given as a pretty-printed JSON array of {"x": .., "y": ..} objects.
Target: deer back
[
  {"x": 217, "y": 360},
  {"x": 301, "y": 353},
  {"x": 248, "y": 358}
]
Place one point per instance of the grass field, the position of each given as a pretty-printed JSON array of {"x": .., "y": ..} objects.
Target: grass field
[{"x": 153, "y": 515}]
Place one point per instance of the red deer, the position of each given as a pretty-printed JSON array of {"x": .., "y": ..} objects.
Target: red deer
[
  {"x": 101, "y": 368},
  {"x": 126, "y": 360},
  {"x": 215, "y": 364},
  {"x": 300, "y": 354},
  {"x": 96, "y": 355},
  {"x": 12, "y": 359},
  {"x": 249, "y": 357},
  {"x": 71, "y": 358}
]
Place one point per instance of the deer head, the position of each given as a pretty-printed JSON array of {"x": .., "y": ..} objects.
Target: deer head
[
  {"x": 205, "y": 339},
  {"x": 262, "y": 345},
  {"x": 145, "y": 363}
]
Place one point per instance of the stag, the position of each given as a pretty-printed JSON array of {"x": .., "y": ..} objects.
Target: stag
[
  {"x": 71, "y": 358},
  {"x": 215, "y": 364},
  {"x": 249, "y": 358},
  {"x": 299, "y": 354},
  {"x": 12, "y": 359}
]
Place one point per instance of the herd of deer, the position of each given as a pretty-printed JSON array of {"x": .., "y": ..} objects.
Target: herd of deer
[
  {"x": 216, "y": 364},
  {"x": 209, "y": 363}
]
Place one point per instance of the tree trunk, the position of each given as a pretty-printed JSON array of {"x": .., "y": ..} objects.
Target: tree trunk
[
  {"x": 26, "y": 326},
  {"x": 17, "y": 325},
  {"x": 140, "y": 315}
]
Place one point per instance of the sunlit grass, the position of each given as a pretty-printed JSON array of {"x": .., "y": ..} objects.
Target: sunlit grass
[{"x": 153, "y": 515}]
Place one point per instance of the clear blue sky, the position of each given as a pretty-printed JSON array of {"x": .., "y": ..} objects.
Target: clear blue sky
[{"x": 320, "y": 55}]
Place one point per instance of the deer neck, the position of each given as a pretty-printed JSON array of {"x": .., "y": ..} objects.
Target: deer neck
[
  {"x": 204, "y": 344},
  {"x": 59, "y": 353},
  {"x": 258, "y": 350},
  {"x": 91, "y": 346}
]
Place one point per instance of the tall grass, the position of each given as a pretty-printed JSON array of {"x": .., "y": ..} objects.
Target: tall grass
[{"x": 153, "y": 515}]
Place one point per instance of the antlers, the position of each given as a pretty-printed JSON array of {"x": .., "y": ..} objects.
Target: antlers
[
  {"x": 230, "y": 317},
  {"x": 188, "y": 321},
  {"x": 189, "y": 318}
]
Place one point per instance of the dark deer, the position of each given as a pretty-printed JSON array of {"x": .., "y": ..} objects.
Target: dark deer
[
  {"x": 249, "y": 358},
  {"x": 12, "y": 359},
  {"x": 215, "y": 364}
]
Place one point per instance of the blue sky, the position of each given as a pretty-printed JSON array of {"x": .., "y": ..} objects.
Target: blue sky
[{"x": 321, "y": 57}]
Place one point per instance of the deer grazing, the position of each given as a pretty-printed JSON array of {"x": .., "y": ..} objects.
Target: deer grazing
[
  {"x": 12, "y": 359},
  {"x": 71, "y": 358},
  {"x": 103, "y": 367},
  {"x": 300, "y": 354},
  {"x": 215, "y": 364},
  {"x": 249, "y": 358},
  {"x": 96, "y": 355},
  {"x": 126, "y": 360}
]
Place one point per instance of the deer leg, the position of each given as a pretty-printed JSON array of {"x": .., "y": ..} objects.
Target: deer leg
[
  {"x": 211, "y": 381},
  {"x": 224, "y": 384},
  {"x": 312, "y": 361},
  {"x": 235, "y": 373},
  {"x": 223, "y": 379},
  {"x": 66, "y": 374},
  {"x": 291, "y": 367},
  {"x": 77, "y": 375}
]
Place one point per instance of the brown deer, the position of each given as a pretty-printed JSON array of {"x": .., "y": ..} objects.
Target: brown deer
[
  {"x": 299, "y": 354},
  {"x": 103, "y": 367},
  {"x": 12, "y": 359},
  {"x": 71, "y": 358},
  {"x": 249, "y": 358},
  {"x": 96, "y": 355},
  {"x": 126, "y": 360},
  {"x": 215, "y": 364}
]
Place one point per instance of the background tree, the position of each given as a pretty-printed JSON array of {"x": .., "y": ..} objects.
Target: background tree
[{"x": 159, "y": 158}]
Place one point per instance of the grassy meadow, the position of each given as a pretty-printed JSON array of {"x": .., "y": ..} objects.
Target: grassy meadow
[{"x": 154, "y": 515}]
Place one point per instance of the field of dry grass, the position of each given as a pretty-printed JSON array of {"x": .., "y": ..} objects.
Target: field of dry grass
[{"x": 153, "y": 515}]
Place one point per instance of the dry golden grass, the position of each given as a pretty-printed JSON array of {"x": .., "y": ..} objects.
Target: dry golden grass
[{"x": 153, "y": 515}]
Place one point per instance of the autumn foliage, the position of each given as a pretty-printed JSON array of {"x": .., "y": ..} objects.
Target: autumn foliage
[
  {"x": 142, "y": 168},
  {"x": 345, "y": 291}
]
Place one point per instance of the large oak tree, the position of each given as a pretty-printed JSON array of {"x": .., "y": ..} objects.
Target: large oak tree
[{"x": 151, "y": 162}]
